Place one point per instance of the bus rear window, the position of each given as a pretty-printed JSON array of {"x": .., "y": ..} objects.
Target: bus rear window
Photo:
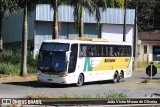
[{"x": 54, "y": 47}]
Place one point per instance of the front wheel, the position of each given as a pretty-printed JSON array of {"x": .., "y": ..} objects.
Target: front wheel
[{"x": 80, "y": 80}]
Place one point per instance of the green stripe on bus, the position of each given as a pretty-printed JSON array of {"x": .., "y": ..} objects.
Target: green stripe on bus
[{"x": 87, "y": 64}]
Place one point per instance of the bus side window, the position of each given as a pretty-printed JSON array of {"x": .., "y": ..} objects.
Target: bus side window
[
  {"x": 105, "y": 51},
  {"x": 115, "y": 50},
  {"x": 89, "y": 52},
  {"x": 123, "y": 51},
  {"x": 93, "y": 51},
  {"x": 128, "y": 50},
  {"x": 100, "y": 50},
  {"x": 111, "y": 51},
  {"x": 83, "y": 51}
]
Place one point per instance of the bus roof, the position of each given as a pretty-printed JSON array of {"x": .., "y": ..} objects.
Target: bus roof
[{"x": 86, "y": 42}]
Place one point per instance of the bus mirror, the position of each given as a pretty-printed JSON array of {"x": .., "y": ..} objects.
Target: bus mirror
[{"x": 68, "y": 55}]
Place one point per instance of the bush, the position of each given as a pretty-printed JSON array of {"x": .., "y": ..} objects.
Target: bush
[
  {"x": 8, "y": 56},
  {"x": 8, "y": 69},
  {"x": 10, "y": 62}
]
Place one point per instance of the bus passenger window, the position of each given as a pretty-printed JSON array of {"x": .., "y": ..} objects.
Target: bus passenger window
[
  {"x": 83, "y": 51},
  {"x": 116, "y": 51},
  {"x": 123, "y": 51},
  {"x": 100, "y": 50},
  {"x": 128, "y": 51},
  {"x": 106, "y": 51},
  {"x": 93, "y": 50},
  {"x": 111, "y": 51}
]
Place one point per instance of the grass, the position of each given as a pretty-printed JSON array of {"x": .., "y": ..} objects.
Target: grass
[
  {"x": 16, "y": 78},
  {"x": 149, "y": 81},
  {"x": 147, "y": 64},
  {"x": 108, "y": 95}
]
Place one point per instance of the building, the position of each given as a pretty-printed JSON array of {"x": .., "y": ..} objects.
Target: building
[
  {"x": 40, "y": 25},
  {"x": 149, "y": 46}
]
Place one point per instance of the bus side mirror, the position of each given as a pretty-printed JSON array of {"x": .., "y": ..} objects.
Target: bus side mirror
[{"x": 67, "y": 56}]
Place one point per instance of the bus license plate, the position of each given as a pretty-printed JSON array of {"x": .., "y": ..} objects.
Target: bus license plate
[{"x": 49, "y": 79}]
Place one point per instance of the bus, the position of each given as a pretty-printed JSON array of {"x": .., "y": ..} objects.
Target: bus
[{"x": 83, "y": 60}]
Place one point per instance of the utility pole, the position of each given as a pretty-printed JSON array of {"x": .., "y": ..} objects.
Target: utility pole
[
  {"x": 135, "y": 43},
  {"x": 124, "y": 25}
]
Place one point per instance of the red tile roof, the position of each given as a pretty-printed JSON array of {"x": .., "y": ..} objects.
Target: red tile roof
[{"x": 150, "y": 35}]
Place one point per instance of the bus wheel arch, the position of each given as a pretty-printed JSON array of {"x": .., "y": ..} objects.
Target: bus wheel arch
[
  {"x": 80, "y": 80},
  {"x": 115, "y": 77}
]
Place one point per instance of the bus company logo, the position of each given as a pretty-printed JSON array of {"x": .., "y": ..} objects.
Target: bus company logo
[
  {"x": 6, "y": 101},
  {"x": 109, "y": 60}
]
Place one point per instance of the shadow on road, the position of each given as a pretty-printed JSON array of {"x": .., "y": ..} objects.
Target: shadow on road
[{"x": 37, "y": 84}]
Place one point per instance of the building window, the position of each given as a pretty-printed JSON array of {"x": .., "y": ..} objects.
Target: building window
[{"x": 145, "y": 49}]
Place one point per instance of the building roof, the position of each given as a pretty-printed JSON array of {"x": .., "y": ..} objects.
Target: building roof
[
  {"x": 150, "y": 35},
  {"x": 44, "y": 12}
]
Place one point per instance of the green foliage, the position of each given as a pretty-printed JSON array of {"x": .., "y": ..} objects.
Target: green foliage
[
  {"x": 143, "y": 64},
  {"x": 7, "y": 7},
  {"x": 148, "y": 13},
  {"x": 10, "y": 62},
  {"x": 111, "y": 94},
  {"x": 115, "y": 3},
  {"x": 8, "y": 68},
  {"x": 119, "y": 3},
  {"x": 9, "y": 56},
  {"x": 116, "y": 95}
]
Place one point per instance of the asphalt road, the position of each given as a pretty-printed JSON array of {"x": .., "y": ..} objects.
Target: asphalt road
[{"x": 130, "y": 86}]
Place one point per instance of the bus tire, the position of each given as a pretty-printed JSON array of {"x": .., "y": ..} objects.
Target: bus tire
[
  {"x": 115, "y": 77},
  {"x": 80, "y": 80},
  {"x": 121, "y": 76}
]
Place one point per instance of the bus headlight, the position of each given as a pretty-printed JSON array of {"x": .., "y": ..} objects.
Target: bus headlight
[{"x": 39, "y": 73}]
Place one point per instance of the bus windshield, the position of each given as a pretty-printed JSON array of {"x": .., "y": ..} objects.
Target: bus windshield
[{"x": 52, "y": 58}]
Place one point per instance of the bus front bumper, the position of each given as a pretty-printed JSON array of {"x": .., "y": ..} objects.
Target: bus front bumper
[{"x": 54, "y": 79}]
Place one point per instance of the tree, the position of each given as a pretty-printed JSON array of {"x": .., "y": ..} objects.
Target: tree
[
  {"x": 94, "y": 7},
  {"x": 27, "y": 6},
  {"x": 115, "y": 3},
  {"x": 148, "y": 13},
  {"x": 23, "y": 71},
  {"x": 55, "y": 5},
  {"x": 100, "y": 5},
  {"x": 119, "y": 3},
  {"x": 6, "y": 7},
  {"x": 91, "y": 5}
]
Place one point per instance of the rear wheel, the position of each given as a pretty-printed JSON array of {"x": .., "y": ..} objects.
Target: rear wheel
[
  {"x": 121, "y": 76},
  {"x": 115, "y": 78},
  {"x": 80, "y": 80}
]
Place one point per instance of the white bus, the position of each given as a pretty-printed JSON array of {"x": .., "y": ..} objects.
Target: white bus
[{"x": 80, "y": 61}]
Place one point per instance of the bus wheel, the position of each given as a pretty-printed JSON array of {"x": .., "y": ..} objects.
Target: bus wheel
[
  {"x": 121, "y": 76},
  {"x": 115, "y": 77},
  {"x": 80, "y": 80}
]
